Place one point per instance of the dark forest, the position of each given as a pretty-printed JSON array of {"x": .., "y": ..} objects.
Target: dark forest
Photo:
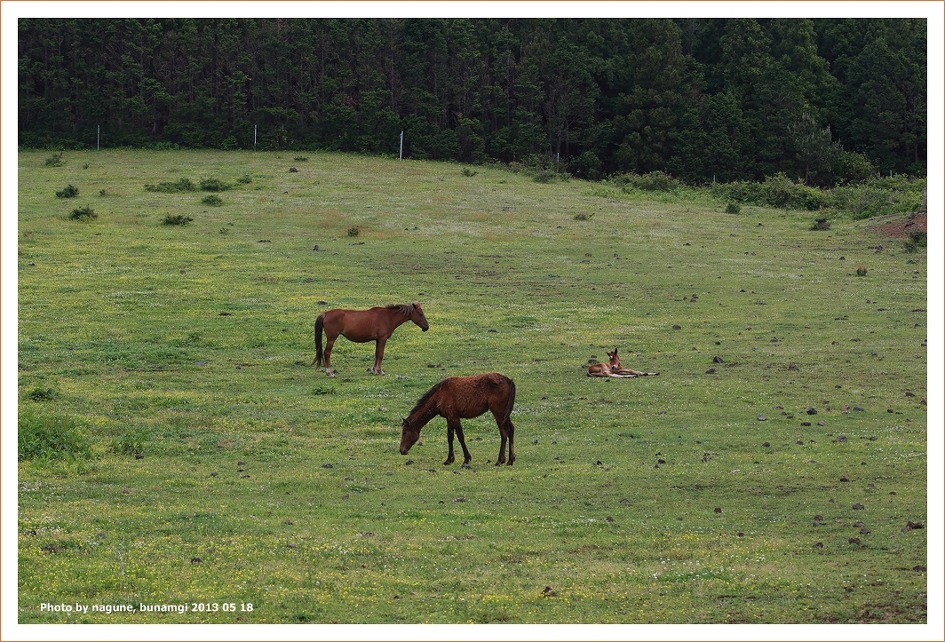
[{"x": 824, "y": 101}]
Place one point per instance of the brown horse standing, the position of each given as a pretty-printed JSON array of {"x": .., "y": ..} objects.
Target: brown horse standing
[
  {"x": 613, "y": 369},
  {"x": 361, "y": 326},
  {"x": 458, "y": 398}
]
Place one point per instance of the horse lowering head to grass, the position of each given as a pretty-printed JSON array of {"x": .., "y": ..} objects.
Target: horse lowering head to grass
[
  {"x": 458, "y": 398},
  {"x": 361, "y": 326}
]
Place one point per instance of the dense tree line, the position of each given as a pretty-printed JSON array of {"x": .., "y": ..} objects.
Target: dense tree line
[{"x": 822, "y": 100}]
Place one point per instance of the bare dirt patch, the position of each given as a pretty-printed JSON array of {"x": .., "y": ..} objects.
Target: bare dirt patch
[{"x": 902, "y": 228}]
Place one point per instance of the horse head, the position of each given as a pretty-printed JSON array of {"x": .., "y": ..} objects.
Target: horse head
[
  {"x": 614, "y": 359},
  {"x": 408, "y": 437},
  {"x": 419, "y": 318}
]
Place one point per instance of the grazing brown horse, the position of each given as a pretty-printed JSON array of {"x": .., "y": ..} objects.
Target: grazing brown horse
[
  {"x": 458, "y": 398},
  {"x": 613, "y": 369},
  {"x": 361, "y": 326}
]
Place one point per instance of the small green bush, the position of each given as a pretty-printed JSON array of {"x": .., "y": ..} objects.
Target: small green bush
[
  {"x": 212, "y": 200},
  {"x": 733, "y": 208},
  {"x": 583, "y": 217},
  {"x": 821, "y": 224},
  {"x": 657, "y": 181},
  {"x": 182, "y": 185},
  {"x": 469, "y": 172},
  {"x": 69, "y": 191},
  {"x": 42, "y": 436},
  {"x": 176, "y": 219},
  {"x": 861, "y": 270},
  {"x": 83, "y": 214},
  {"x": 55, "y": 160},
  {"x": 245, "y": 179},
  {"x": 917, "y": 239},
  {"x": 354, "y": 231},
  {"x": 213, "y": 185}
]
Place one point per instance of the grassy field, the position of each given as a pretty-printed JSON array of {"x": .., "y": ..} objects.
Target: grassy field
[{"x": 215, "y": 472}]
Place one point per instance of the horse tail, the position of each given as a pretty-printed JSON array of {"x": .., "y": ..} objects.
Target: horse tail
[
  {"x": 319, "y": 324},
  {"x": 511, "y": 402}
]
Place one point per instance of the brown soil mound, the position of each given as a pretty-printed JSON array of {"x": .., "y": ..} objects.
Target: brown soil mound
[{"x": 903, "y": 228}]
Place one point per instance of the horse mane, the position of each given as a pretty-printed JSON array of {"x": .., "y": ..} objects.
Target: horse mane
[
  {"x": 426, "y": 397},
  {"x": 404, "y": 308}
]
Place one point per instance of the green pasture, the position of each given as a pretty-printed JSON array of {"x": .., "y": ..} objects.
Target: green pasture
[{"x": 182, "y": 450}]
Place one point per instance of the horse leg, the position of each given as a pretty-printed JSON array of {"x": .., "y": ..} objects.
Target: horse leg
[
  {"x": 511, "y": 431},
  {"x": 504, "y": 434},
  {"x": 378, "y": 357},
  {"x": 462, "y": 442},
  {"x": 328, "y": 346},
  {"x": 450, "y": 458}
]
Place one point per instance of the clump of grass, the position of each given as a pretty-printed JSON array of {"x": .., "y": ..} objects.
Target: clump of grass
[
  {"x": 42, "y": 393},
  {"x": 212, "y": 200},
  {"x": 54, "y": 161},
  {"x": 917, "y": 239},
  {"x": 213, "y": 185},
  {"x": 354, "y": 231},
  {"x": 244, "y": 180},
  {"x": 50, "y": 436},
  {"x": 301, "y": 158},
  {"x": 69, "y": 191},
  {"x": 861, "y": 270},
  {"x": 733, "y": 208},
  {"x": 130, "y": 444},
  {"x": 182, "y": 185},
  {"x": 83, "y": 214},
  {"x": 821, "y": 224},
  {"x": 176, "y": 219},
  {"x": 583, "y": 217},
  {"x": 469, "y": 172}
]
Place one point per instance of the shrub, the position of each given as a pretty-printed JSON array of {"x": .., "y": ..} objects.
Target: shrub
[
  {"x": 820, "y": 224},
  {"x": 879, "y": 196},
  {"x": 213, "y": 200},
  {"x": 50, "y": 437},
  {"x": 775, "y": 191},
  {"x": 83, "y": 214},
  {"x": 300, "y": 159},
  {"x": 183, "y": 185},
  {"x": 917, "y": 239},
  {"x": 469, "y": 172},
  {"x": 354, "y": 231},
  {"x": 733, "y": 208},
  {"x": 213, "y": 185},
  {"x": 54, "y": 161},
  {"x": 69, "y": 191},
  {"x": 245, "y": 179},
  {"x": 657, "y": 181},
  {"x": 176, "y": 219},
  {"x": 861, "y": 270},
  {"x": 583, "y": 217}
]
